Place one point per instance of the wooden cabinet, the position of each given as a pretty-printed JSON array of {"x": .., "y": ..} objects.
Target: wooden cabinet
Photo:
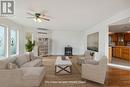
[
  {"x": 110, "y": 54},
  {"x": 114, "y": 52},
  {"x": 114, "y": 37},
  {"x": 121, "y": 52},
  {"x": 117, "y": 52},
  {"x": 126, "y": 53},
  {"x": 127, "y": 37},
  {"x": 120, "y": 39}
]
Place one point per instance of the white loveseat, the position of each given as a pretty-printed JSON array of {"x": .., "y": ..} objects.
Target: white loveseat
[{"x": 27, "y": 74}]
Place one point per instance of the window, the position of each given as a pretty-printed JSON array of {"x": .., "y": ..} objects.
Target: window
[
  {"x": 8, "y": 41},
  {"x": 13, "y": 42},
  {"x": 2, "y": 41}
]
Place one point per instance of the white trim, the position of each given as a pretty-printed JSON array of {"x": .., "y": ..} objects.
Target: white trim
[
  {"x": 5, "y": 39},
  {"x": 17, "y": 51}
]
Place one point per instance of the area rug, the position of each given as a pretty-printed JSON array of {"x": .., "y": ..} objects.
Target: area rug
[
  {"x": 52, "y": 80},
  {"x": 64, "y": 84}
]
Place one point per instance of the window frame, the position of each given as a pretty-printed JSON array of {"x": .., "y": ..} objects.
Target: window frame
[{"x": 5, "y": 40}]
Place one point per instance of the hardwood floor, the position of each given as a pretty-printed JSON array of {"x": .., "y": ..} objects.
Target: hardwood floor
[{"x": 117, "y": 78}]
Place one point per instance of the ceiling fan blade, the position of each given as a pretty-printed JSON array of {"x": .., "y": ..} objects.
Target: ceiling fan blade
[
  {"x": 30, "y": 14},
  {"x": 46, "y": 19},
  {"x": 43, "y": 15},
  {"x": 46, "y": 16},
  {"x": 30, "y": 17}
]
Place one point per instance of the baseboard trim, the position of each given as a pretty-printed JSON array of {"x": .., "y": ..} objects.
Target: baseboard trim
[{"x": 63, "y": 55}]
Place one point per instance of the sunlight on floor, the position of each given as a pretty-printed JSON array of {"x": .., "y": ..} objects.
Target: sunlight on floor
[{"x": 119, "y": 66}]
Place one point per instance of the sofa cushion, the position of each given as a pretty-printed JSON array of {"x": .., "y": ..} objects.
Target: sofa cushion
[
  {"x": 87, "y": 55},
  {"x": 33, "y": 73},
  {"x": 32, "y": 57},
  {"x": 3, "y": 65},
  {"x": 32, "y": 63},
  {"x": 12, "y": 66},
  {"x": 21, "y": 59}
]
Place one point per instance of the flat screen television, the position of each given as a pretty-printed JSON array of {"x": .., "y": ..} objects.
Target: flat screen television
[{"x": 93, "y": 42}]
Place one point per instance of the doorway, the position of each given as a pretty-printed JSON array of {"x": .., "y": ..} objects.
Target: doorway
[{"x": 119, "y": 43}]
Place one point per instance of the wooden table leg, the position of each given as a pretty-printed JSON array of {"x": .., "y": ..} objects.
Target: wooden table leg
[
  {"x": 55, "y": 69},
  {"x": 70, "y": 69},
  {"x": 63, "y": 69}
]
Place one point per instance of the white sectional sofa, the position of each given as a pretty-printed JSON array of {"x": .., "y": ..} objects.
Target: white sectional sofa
[{"x": 20, "y": 71}]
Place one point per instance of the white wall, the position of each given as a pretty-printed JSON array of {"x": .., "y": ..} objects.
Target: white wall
[
  {"x": 59, "y": 39},
  {"x": 102, "y": 28},
  {"x": 62, "y": 38},
  {"x": 76, "y": 39}
]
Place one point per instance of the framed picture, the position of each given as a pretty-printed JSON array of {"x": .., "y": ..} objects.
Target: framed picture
[{"x": 93, "y": 42}]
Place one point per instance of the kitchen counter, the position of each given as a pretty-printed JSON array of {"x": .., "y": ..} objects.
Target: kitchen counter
[{"x": 120, "y": 46}]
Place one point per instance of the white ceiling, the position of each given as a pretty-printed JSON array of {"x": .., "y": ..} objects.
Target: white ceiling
[
  {"x": 121, "y": 22},
  {"x": 120, "y": 26},
  {"x": 68, "y": 14}
]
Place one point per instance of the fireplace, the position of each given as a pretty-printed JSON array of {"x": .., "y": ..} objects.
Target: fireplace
[{"x": 68, "y": 51}]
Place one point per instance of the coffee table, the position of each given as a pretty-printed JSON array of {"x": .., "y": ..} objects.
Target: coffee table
[{"x": 63, "y": 65}]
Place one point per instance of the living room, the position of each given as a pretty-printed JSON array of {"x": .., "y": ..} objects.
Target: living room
[{"x": 64, "y": 24}]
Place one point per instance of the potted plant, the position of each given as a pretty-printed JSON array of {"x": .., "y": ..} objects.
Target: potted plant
[{"x": 29, "y": 46}]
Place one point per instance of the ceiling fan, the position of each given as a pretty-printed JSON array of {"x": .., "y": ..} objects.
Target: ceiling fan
[{"x": 38, "y": 17}]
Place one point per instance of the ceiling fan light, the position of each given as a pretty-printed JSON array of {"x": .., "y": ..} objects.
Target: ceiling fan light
[
  {"x": 35, "y": 19},
  {"x": 39, "y": 20}
]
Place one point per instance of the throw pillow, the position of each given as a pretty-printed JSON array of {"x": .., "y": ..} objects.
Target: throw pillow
[
  {"x": 12, "y": 66},
  {"x": 20, "y": 60},
  {"x": 27, "y": 55},
  {"x": 86, "y": 53},
  {"x": 88, "y": 57}
]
